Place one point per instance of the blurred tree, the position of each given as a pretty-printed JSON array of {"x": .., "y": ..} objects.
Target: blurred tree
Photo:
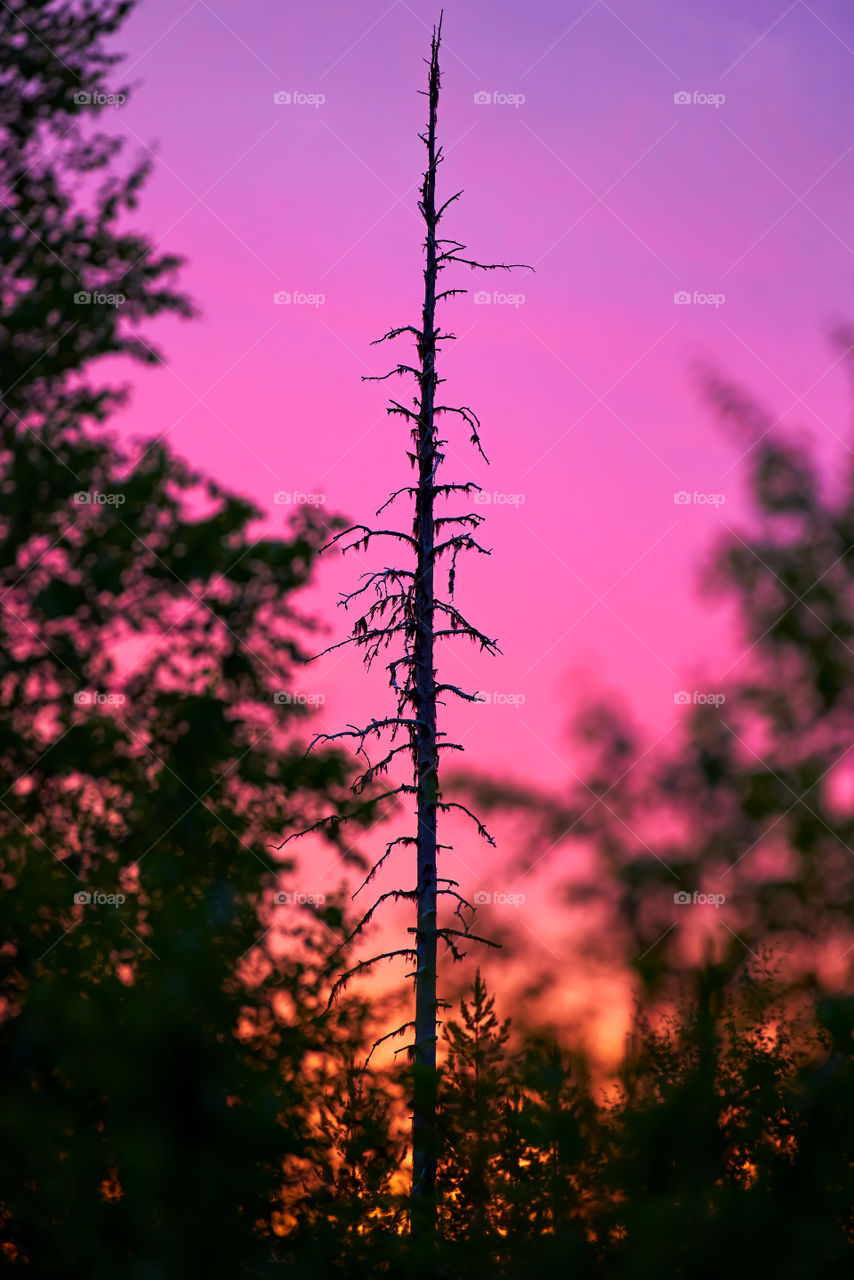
[
  {"x": 154, "y": 1040},
  {"x": 751, "y": 802}
]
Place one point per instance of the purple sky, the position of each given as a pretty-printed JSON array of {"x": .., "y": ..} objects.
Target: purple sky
[{"x": 617, "y": 194}]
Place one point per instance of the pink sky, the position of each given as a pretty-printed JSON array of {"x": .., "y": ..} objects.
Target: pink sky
[{"x": 617, "y": 194}]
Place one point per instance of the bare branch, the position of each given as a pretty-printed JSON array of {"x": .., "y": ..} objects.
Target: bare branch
[
  {"x": 403, "y": 953},
  {"x": 392, "y": 1035},
  {"x": 383, "y": 377},
  {"x": 452, "y": 688},
  {"x": 452, "y": 256},
  {"x": 450, "y": 200},
  {"x": 378, "y": 864},
  {"x": 407, "y": 489},
  {"x": 338, "y": 819},
  {"x": 447, "y": 805},
  {"x": 369, "y": 533},
  {"x": 463, "y": 541},
  {"x": 468, "y": 487},
  {"x": 395, "y": 333},
  {"x": 409, "y": 895},
  {"x": 396, "y": 407}
]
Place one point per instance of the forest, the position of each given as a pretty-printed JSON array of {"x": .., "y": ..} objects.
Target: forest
[{"x": 213, "y": 1060}]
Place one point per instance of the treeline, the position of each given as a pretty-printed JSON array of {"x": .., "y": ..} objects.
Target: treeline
[{"x": 722, "y": 1143}]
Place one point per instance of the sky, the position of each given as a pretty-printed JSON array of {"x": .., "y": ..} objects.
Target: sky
[{"x": 680, "y": 179}]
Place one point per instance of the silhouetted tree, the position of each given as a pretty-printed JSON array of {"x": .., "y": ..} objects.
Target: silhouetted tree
[
  {"x": 473, "y": 1098},
  {"x": 733, "y": 1109},
  {"x": 409, "y": 615},
  {"x": 154, "y": 1046}
]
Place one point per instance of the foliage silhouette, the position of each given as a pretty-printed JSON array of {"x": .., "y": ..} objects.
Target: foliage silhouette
[
  {"x": 155, "y": 1051},
  {"x": 729, "y": 1147}
]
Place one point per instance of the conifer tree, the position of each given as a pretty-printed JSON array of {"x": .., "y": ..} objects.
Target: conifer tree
[{"x": 474, "y": 1093}]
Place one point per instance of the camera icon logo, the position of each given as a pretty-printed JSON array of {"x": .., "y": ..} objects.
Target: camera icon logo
[
  {"x": 282, "y": 298},
  {"x": 482, "y": 99},
  {"x": 281, "y": 899},
  {"x": 682, "y": 298},
  {"x": 82, "y": 499},
  {"x": 681, "y": 98},
  {"x": 82, "y": 899},
  {"x": 682, "y": 898},
  {"x": 481, "y": 898},
  {"x": 682, "y": 498},
  {"x": 281, "y": 98},
  {"x": 82, "y": 298},
  {"x": 482, "y": 297},
  {"x": 681, "y": 698},
  {"x": 82, "y": 98}
]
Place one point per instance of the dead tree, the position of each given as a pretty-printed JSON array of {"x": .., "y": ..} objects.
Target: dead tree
[{"x": 410, "y": 617}]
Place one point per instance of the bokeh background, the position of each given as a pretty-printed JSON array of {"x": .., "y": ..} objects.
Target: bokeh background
[{"x": 587, "y": 162}]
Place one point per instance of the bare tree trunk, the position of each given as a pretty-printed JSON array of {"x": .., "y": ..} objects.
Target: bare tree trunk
[
  {"x": 424, "y": 732},
  {"x": 404, "y": 614}
]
